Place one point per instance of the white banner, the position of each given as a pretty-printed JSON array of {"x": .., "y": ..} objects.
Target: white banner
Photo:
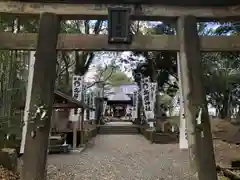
[
  {"x": 135, "y": 105},
  {"x": 92, "y": 104},
  {"x": 104, "y": 107},
  {"x": 77, "y": 87},
  {"x": 153, "y": 95},
  {"x": 85, "y": 95},
  {"x": 145, "y": 90},
  {"x": 85, "y": 99},
  {"x": 85, "y": 115},
  {"x": 77, "y": 90}
]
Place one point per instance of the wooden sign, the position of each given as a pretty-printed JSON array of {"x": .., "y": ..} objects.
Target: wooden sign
[{"x": 119, "y": 25}]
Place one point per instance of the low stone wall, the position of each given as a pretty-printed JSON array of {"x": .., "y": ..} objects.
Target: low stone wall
[
  {"x": 165, "y": 138},
  {"x": 90, "y": 130},
  {"x": 89, "y": 134},
  {"x": 147, "y": 133},
  {"x": 159, "y": 138}
]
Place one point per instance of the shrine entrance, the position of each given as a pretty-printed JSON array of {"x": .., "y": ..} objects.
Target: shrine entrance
[{"x": 186, "y": 43}]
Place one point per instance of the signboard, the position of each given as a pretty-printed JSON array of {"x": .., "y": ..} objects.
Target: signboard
[
  {"x": 119, "y": 25},
  {"x": 92, "y": 104},
  {"x": 77, "y": 87},
  {"x": 85, "y": 100},
  {"x": 146, "y": 88},
  {"x": 153, "y": 94},
  {"x": 135, "y": 105}
]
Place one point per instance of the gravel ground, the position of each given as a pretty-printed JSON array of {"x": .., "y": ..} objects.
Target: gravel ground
[{"x": 121, "y": 157}]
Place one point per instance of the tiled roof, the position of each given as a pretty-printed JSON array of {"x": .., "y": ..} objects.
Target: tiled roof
[{"x": 119, "y": 96}]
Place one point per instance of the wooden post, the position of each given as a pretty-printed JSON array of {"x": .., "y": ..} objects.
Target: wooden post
[
  {"x": 75, "y": 130},
  {"x": 183, "y": 144},
  {"x": 81, "y": 128},
  {"x": 199, "y": 139},
  {"x": 38, "y": 127},
  {"x": 53, "y": 122},
  {"x": 74, "y": 117},
  {"x": 28, "y": 97}
]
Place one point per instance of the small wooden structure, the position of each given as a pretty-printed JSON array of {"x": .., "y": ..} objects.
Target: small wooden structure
[
  {"x": 64, "y": 103},
  {"x": 187, "y": 43},
  {"x": 62, "y": 100},
  {"x": 60, "y": 121},
  {"x": 61, "y": 113},
  {"x": 73, "y": 130}
]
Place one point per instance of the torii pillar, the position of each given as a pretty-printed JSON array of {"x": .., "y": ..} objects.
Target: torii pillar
[
  {"x": 199, "y": 135},
  {"x": 41, "y": 98}
]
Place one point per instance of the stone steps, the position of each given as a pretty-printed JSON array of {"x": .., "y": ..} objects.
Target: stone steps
[{"x": 105, "y": 129}]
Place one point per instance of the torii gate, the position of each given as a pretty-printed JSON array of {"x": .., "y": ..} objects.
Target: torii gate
[{"x": 187, "y": 43}]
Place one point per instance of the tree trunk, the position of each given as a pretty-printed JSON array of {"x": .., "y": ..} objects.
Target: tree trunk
[
  {"x": 38, "y": 126},
  {"x": 199, "y": 136},
  {"x": 225, "y": 107},
  {"x": 98, "y": 110},
  {"x": 238, "y": 114},
  {"x": 66, "y": 64}
]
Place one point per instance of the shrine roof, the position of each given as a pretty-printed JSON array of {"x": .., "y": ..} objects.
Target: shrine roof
[
  {"x": 119, "y": 96},
  {"x": 58, "y": 95},
  {"x": 150, "y": 2},
  {"x": 62, "y": 98}
]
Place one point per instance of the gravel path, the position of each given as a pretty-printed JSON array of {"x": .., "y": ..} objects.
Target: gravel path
[{"x": 121, "y": 157}]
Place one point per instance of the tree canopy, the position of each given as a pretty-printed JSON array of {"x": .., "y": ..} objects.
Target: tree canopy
[
  {"x": 221, "y": 70},
  {"x": 116, "y": 76}
]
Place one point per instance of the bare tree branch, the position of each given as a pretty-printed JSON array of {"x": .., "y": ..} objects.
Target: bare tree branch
[
  {"x": 78, "y": 26},
  {"x": 109, "y": 74},
  {"x": 103, "y": 81},
  {"x": 87, "y": 28},
  {"x": 98, "y": 27}
]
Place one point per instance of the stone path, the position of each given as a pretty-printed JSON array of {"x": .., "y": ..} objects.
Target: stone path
[{"x": 121, "y": 157}]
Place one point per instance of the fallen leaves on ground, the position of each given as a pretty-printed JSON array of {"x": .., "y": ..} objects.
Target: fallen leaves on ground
[
  {"x": 226, "y": 152},
  {"x": 224, "y": 130},
  {"x": 8, "y": 175}
]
